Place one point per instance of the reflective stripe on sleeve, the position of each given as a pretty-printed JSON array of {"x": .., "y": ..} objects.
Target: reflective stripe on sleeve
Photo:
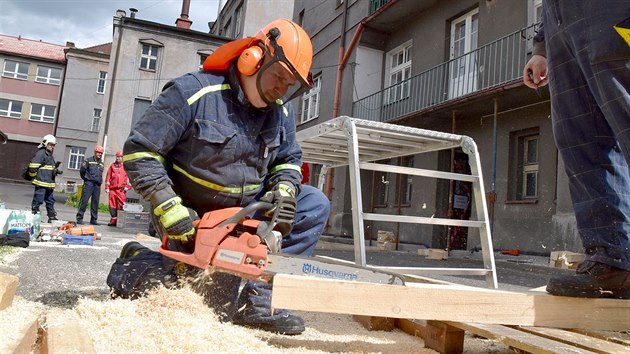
[
  {"x": 286, "y": 166},
  {"x": 206, "y": 90}
]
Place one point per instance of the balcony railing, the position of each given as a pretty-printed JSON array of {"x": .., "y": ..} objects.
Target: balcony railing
[
  {"x": 491, "y": 65},
  {"x": 376, "y": 4}
]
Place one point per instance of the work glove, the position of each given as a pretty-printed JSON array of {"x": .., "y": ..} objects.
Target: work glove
[
  {"x": 284, "y": 205},
  {"x": 176, "y": 219},
  {"x": 56, "y": 171}
]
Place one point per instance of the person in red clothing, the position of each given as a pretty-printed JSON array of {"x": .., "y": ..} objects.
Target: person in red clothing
[
  {"x": 116, "y": 185},
  {"x": 306, "y": 173}
]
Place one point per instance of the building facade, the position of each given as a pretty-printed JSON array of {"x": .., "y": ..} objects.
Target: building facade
[
  {"x": 81, "y": 110},
  {"x": 30, "y": 90},
  {"x": 451, "y": 66},
  {"x": 242, "y": 18}
]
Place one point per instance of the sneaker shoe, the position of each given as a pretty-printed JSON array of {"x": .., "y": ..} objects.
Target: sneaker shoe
[
  {"x": 592, "y": 280},
  {"x": 281, "y": 322}
]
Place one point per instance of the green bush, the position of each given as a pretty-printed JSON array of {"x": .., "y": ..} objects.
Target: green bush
[{"x": 74, "y": 200}]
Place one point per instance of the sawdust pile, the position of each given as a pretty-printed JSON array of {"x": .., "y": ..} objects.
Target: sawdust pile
[{"x": 177, "y": 321}]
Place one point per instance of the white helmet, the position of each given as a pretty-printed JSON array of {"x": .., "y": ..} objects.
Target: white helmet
[{"x": 48, "y": 139}]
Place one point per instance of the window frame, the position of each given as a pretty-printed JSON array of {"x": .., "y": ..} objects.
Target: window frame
[
  {"x": 238, "y": 14},
  {"x": 9, "y": 112},
  {"x": 147, "y": 58},
  {"x": 520, "y": 167},
  {"x": 399, "y": 90},
  {"x": 79, "y": 155},
  {"x": 311, "y": 99},
  {"x": 406, "y": 182},
  {"x": 96, "y": 120},
  {"x": 101, "y": 85},
  {"x": 41, "y": 116},
  {"x": 48, "y": 78},
  {"x": 16, "y": 74}
]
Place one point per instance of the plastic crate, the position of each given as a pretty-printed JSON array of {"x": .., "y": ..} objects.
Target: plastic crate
[
  {"x": 133, "y": 221},
  {"x": 78, "y": 240}
]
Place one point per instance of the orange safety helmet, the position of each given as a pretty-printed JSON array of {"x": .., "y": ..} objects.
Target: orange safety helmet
[
  {"x": 99, "y": 148},
  {"x": 282, "y": 40},
  {"x": 119, "y": 153}
]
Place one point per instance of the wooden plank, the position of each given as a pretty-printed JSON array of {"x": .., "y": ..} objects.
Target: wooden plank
[
  {"x": 449, "y": 303},
  {"x": 579, "y": 340},
  {"x": 417, "y": 328},
  {"x": 519, "y": 339},
  {"x": 8, "y": 285},
  {"x": 19, "y": 327},
  {"x": 614, "y": 337},
  {"x": 444, "y": 338},
  {"x": 64, "y": 334},
  {"x": 372, "y": 323}
]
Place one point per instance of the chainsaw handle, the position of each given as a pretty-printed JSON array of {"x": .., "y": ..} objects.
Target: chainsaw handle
[{"x": 246, "y": 211}]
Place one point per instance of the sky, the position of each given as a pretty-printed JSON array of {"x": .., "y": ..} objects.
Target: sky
[{"x": 89, "y": 22}]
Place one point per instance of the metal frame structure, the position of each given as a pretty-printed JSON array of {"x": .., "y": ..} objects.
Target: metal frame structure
[{"x": 356, "y": 143}]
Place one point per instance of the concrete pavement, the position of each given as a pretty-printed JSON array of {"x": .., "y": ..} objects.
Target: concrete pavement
[{"x": 58, "y": 274}]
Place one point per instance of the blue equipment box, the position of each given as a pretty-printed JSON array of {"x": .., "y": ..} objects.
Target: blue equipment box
[{"x": 78, "y": 240}]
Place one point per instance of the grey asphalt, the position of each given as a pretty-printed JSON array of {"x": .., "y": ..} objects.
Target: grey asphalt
[{"x": 57, "y": 275}]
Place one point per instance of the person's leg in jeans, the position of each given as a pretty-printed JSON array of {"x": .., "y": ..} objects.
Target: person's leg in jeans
[
  {"x": 590, "y": 113},
  {"x": 254, "y": 307}
]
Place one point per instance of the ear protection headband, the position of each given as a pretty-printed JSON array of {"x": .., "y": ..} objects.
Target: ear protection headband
[{"x": 250, "y": 61}]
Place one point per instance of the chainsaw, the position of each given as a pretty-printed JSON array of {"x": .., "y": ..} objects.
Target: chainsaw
[{"x": 230, "y": 240}]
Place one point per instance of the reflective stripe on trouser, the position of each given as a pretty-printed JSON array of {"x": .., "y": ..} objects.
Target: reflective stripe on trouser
[{"x": 591, "y": 113}]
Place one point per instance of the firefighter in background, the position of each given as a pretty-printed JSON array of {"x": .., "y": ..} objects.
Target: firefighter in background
[
  {"x": 92, "y": 174},
  {"x": 42, "y": 170},
  {"x": 116, "y": 185}
]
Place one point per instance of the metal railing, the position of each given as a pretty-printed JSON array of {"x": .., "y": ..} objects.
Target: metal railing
[
  {"x": 376, "y": 4},
  {"x": 491, "y": 65}
]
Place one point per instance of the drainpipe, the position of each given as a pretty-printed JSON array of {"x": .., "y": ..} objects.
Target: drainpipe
[
  {"x": 492, "y": 195},
  {"x": 121, "y": 18}
]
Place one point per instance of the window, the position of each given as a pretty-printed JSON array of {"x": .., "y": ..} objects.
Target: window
[
  {"x": 48, "y": 75},
  {"x": 530, "y": 167},
  {"x": 398, "y": 71},
  {"x": 148, "y": 58},
  {"x": 537, "y": 10},
  {"x": 310, "y": 101},
  {"x": 15, "y": 69},
  {"x": 75, "y": 159},
  {"x": 226, "y": 28},
  {"x": 202, "y": 58},
  {"x": 10, "y": 108},
  {"x": 381, "y": 187},
  {"x": 237, "y": 21},
  {"x": 406, "y": 182},
  {"x": 525, "y": 165},
  {"x": 102, "y": 82},
  {"x": 96, "y": 120},
  {"x": 463, "y": 67},
  {"x": 42, "y": 113},
  {"x": 139, "y": 107}
]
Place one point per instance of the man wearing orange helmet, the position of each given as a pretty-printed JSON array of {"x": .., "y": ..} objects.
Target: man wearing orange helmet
[
  {"x": 225, "y": 137},
  {"x": 92, "y": 174},
  {"x": 116, "y": 185}
]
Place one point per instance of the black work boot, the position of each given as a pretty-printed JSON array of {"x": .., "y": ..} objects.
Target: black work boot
[
  {"x": 132, "y": 249},
  {"x": 255, "y": 312},
  {"x": 592, "y": 280}
]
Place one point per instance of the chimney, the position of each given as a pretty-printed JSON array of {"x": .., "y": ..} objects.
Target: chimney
[
  {"x": 183, "y": 21},
  {"x": 132, "y": 12},
  {"x": 69, "y": 44}
]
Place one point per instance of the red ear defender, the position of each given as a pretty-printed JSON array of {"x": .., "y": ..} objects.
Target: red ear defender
[{"x": 250, "y": 60}]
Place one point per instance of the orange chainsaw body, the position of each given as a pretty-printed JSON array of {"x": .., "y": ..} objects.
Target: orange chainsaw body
[{"x": 232, "y": 247}]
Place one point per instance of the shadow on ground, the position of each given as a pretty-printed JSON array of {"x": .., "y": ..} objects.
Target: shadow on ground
[{"x": 68, "y": 299}]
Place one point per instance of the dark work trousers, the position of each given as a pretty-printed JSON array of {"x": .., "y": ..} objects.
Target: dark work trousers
[
  {"x": 91, "y": 191},
  {"x": 589, "y": 77},
  {"x": 44, "y": 195}
]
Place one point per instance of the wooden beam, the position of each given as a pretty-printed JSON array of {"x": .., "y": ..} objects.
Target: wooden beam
[
  {"x": 448, "y": 303},
  {"x": 64, "y": 334},
  {"x": 8, "y": 285}
]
